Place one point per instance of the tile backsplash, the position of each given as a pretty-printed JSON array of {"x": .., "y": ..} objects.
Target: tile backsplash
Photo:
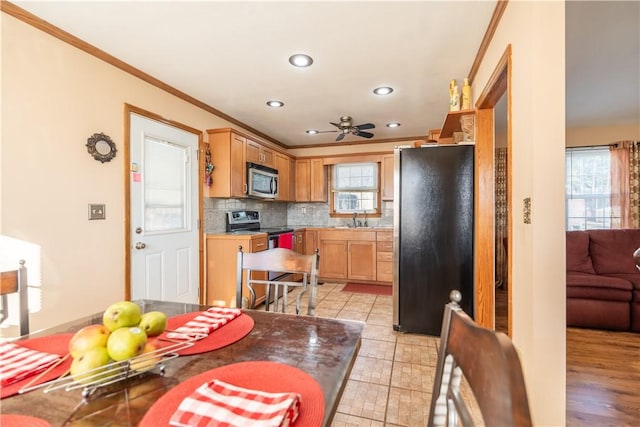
[{"x": 275, "y": 214}]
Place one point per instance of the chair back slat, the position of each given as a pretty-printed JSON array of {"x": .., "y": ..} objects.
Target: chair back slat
[
  {"x": 279, "y": 260},
  {"x": 488, "y": 362}
]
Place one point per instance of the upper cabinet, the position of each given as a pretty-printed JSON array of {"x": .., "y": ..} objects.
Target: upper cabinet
[
  {"x": 282, "y": 164},
  {"x": 229, "y": 160},
  {"x": 258, "y": 153},
  {"x": 386, "y": 177},
  {"x": 311, "y": 181}
]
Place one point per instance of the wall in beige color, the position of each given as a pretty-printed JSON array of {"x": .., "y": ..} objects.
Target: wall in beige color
[
  {"x": 535, "y": 31},
  {"x": 54, "y": 97},
  {"x": 602, "y": 135}
]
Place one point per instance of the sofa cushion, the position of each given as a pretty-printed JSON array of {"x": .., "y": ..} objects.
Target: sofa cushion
[
  {"x": 633, "y": 278},
  {"x": 588, "y": 313},
  {"x": 612, "y": 250},
  {"x": 578, "y": 258},
  {"x": 597, "y": 281}
]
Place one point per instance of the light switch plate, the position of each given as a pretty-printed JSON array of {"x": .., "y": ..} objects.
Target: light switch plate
[{"x": 97, "y": 211}]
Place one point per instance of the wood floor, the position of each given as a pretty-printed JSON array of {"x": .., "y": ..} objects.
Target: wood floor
[{"x": 603, "y": 374}]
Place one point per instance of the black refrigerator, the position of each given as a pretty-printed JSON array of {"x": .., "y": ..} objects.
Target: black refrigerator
[{"x": 432, "y": 235}]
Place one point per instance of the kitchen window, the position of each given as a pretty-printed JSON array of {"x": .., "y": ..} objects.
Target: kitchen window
[
  {"x": 355, "y": 188},
  {"x": 588, "y": 188}
]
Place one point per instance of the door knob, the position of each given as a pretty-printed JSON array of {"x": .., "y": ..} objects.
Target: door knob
[{"x": 140, "y": 245}]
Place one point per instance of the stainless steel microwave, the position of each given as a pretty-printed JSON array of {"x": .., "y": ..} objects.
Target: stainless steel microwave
[{"x": 262, "y": 181}]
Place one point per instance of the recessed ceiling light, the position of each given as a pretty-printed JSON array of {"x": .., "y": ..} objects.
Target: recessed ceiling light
[
  {"x": 312, "y": 131},
  {"x": 383, "y": 90},
  {"x": 300, "y": 60},
  {"x": 275, "y": 103},
  {"x": 393, "y": 125}
]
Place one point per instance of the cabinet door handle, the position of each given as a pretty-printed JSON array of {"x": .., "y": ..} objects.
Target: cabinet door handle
[{"x": 260, "y": 244}]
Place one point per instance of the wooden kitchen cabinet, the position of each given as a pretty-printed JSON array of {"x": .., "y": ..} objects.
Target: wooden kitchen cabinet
[
  {"x": 298, "y": 241},
  {"x": 311, "y": 181},
  {"x": 333, "y": 259},
  {"x": 284, "y": 178},
  {"x": 386, "y": 177},
  {"x": 384, "y": 259},
  {"x": 310, "y": 242},
  {"x": 348, "y": 255},
  {"x": 229, "y": 178},
  {"x": 361, "y": 260},
  {"x": 258, "y": 153},
  {"x": 221, "y": 267}
]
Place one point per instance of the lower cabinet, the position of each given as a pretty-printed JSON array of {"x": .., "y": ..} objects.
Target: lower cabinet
[
  {"x": 384, "y": 264},
  {"x": 221, "y": 267},
  {"x": 347, "y": 255}
]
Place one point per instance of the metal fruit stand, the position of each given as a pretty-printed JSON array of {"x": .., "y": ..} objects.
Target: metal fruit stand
[{"x": 114, "y": 372}]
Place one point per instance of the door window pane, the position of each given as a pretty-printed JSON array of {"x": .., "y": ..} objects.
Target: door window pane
[{"x": 166, "y": 201}]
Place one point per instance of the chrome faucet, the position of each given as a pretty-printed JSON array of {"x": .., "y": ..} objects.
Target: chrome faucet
[
  {"x": 366, "y": 224},
  {"x": 355, "y": 215}
]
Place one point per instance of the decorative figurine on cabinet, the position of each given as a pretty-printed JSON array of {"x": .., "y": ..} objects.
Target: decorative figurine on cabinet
[
  {"x": 466, "y": 95},
  {"x": 454, "y": 96}
]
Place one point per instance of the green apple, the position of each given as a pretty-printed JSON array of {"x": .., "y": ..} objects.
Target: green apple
[
  {"x": 153, "y": 323},
  {"x": 125, "y": 343},
  {"x": 86, "y": 368},
  {"x": 121, "y": 315},
  {"x": 146, "y": 360},
  {"x": 88, "y": 338}
]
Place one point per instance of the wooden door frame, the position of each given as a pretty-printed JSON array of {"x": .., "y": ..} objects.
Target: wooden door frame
[
  {"x": 128, "y": 109},
  {"x": 484, "y": 262}
]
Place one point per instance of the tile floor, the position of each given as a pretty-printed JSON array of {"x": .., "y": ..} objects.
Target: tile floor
[{"x": 392, "y": 379}]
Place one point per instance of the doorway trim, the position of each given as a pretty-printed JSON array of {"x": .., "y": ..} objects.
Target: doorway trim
[
  {"x": 128, "y": 109},
  {"x": 498, "y": 84}
]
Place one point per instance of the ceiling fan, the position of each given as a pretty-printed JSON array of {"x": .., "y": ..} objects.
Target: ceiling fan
[{"x": 346, "y": 127}]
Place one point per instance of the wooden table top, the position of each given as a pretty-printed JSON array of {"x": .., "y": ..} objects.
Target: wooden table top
[{"x": 326, "y": 349}]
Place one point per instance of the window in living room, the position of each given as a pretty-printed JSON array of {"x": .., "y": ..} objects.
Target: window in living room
[{"x": 588, "y": 188}]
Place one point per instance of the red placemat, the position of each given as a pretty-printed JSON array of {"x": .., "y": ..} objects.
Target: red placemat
[
  {"x": 233, "y": 331},
  {"x": 260, "y": 375},
  {"x": 14, "y": 420},
  {"x": 58, "y": 344}
]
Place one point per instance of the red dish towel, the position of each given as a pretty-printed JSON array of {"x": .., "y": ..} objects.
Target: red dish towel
[
  {"x": 206, "y": 322},
  {"x": 285, "y": 241},
  {"x": 217, "y": 403},
  {"x": 18, "y": 363}
]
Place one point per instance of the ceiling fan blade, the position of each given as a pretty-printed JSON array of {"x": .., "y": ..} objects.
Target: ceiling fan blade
[
  {"x": 335, "y": 124},
  {"x": 340, "y": 137},
  {"x": 366, "y": 126},
  {"x": 364, "y": 134}
]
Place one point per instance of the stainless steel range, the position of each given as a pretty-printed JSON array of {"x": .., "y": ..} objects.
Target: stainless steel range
[{"x": 244, "y": 221}]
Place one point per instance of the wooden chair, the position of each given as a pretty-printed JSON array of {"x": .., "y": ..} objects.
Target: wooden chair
[
  {"x": 283, "y": 261},
  {"x": 489, "y": 363},
  {"x": 15, "y": 281}
]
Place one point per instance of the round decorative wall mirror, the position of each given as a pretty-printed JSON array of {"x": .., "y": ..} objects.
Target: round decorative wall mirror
[{"x": 101, "y": 147}]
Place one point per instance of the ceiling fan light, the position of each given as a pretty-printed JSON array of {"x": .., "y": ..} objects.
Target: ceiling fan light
[
  {"x": 275, "y": 104},
  {"x": 312, "y": 131},
  {"x": 393, "y": 125},
  {"x": 300, "y": 60},
  {"x": 383, "y": 90}
]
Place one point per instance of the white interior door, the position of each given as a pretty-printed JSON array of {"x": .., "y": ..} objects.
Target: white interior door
[{"x": 164, "y": 212}]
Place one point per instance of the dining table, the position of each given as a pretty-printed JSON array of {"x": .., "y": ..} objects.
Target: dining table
[{"x": 323, "y": 349}]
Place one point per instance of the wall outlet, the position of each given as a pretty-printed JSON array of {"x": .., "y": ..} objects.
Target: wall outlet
[
  {"x": 303, "y": 210},
  {"x": 97, "y": 211}
]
